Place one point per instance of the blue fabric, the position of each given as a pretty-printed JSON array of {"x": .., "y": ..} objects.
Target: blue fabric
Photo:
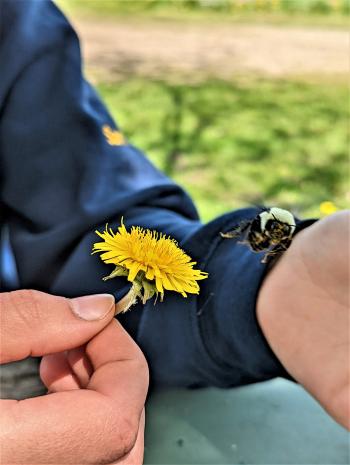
[{"x": 61, "y": 180}]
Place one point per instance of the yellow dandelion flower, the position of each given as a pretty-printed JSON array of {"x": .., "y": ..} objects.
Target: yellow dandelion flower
[
  {"x": 113, "y": 136},
  {"x": 150, "y": 260},
  {"x": 327, "y": 208}
]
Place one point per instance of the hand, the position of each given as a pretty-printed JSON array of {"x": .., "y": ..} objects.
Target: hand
[
  {"x": 303, "y": 309},
  {"x": 96, "y": 376}
]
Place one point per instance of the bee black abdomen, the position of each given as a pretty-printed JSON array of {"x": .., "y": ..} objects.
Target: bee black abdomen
[{"x": 258, "y": 242}]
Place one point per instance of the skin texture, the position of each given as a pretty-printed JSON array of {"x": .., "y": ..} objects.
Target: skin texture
[
  {"x": 96, "y": 376},
  {"x": 303, "y": 309}
]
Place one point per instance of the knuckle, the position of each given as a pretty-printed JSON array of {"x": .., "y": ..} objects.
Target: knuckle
[
  {"x": 127, "y": 435},
  {"x": 140, "y": 370},
  {"x": 20, "y": 313},
  {"x": 122, "y": 434},
  {"x": 140, "y": 360},
  {"x": 22, "y": 305}
]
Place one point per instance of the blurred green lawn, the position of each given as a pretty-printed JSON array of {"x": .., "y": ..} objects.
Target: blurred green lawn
[
  {"x": 241, "y": 142},
  {"x": 300, "y": 12},
  {"x": 249, "y": 142}
]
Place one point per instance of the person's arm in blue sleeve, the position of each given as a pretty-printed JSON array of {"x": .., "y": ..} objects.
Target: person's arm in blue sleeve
[{"x": 61, "y": 180}]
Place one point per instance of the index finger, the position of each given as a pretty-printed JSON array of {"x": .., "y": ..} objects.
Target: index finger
[{"x": 129, "y": 359}]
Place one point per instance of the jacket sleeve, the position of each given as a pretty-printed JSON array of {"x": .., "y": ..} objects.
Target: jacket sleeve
[{"x": 61, "y": 179}]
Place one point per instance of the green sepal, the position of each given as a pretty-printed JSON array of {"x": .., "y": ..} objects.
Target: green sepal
[
  {"x": 118, "y": 271},
  {"x": 149, "y": 289}
]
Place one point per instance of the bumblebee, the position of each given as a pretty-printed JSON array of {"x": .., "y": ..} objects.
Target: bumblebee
[{"x": 271, "y": 230}]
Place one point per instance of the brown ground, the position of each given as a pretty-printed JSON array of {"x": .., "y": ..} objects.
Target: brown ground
[{"x": 113, "y": 48}]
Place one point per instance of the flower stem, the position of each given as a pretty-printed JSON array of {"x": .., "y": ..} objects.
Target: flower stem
[{"x": 128, "y": 300}]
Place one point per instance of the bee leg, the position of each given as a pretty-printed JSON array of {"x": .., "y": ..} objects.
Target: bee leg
[
  {"x": 277, "y": 250},
  {"x": 230, "y": 234},
  {"x": 236, "y": 231}
]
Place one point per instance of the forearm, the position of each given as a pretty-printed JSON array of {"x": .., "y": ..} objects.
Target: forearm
[{"x": 303, "y": 310}]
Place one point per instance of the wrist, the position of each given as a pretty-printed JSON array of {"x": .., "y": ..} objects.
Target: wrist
[{"x": 276, "y": 303}]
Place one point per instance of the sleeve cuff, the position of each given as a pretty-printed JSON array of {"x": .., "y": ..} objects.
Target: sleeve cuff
[{"x": 226, "y": 310}]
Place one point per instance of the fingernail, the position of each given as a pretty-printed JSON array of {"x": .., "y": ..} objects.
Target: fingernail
[{"x": 92, "y": 307}]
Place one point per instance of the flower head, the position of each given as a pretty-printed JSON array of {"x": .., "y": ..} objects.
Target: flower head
[
  {"x": 150, "y": 259},
  {"x": 328, "y": 207}
]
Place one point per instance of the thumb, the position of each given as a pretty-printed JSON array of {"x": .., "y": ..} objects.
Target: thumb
[{"x": 35, "y": 323}]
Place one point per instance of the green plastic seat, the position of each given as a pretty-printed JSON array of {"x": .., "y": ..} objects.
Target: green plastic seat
[{"x": 275, "y": 422}]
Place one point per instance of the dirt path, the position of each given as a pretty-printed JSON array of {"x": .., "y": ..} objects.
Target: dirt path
[{"x": 112, "y": 48}]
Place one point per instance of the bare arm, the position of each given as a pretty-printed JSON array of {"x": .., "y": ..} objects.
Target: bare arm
[{"x": 303, "y": 310}]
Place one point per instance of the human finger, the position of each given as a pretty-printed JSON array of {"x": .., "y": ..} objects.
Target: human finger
[
  {"x": 66, "y": 370},
  {"x": 80, "y": 365},
  {"x": 56, "y": 373},
  {"x": 130, "y": 397},
  {"x": 73, "y": 369},
  {"x": 35, "y": 323},
  {"x": 99, "y": 424}
]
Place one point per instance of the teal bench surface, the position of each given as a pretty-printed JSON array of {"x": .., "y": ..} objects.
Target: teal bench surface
[{"x": 275, "y": 422}]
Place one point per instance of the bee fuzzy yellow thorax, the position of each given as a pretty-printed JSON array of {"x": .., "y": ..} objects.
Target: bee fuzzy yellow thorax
[{"x": 279, "y": 215}]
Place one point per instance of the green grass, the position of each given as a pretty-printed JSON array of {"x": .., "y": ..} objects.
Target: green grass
[
  {"x": 333, "y": 13},
  {"x": 249, "y": 142}
]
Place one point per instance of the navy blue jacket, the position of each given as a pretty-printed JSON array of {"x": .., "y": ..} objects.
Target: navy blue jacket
[{"x": 61, "y": 180}]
